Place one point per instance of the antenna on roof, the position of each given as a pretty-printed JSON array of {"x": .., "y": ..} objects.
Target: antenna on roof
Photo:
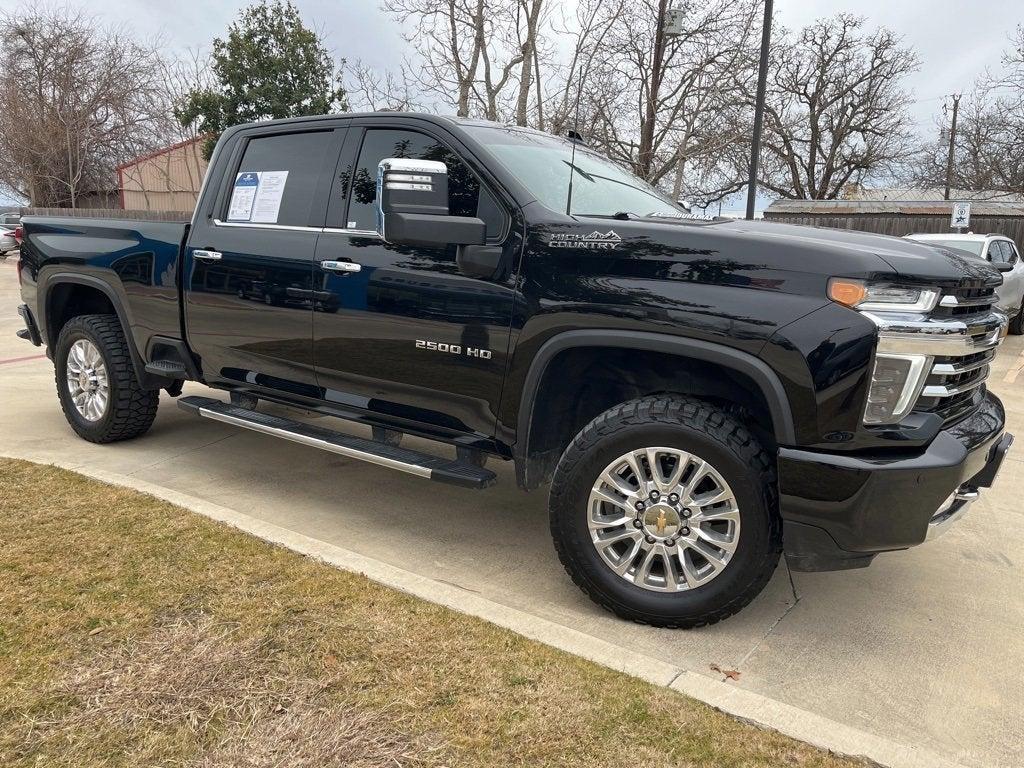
[{"x": 576, "y": 138}]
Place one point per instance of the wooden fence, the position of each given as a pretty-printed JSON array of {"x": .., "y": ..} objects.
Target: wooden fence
[
  {"x": 904, "y": 224},
  {"x": 108, "y": 213}
]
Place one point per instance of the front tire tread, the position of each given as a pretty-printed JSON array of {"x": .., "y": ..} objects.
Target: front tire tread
[{"x": 694, "y": 414}]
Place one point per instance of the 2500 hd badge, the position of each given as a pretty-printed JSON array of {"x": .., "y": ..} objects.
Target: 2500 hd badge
[{"x": 453, "y": 349}]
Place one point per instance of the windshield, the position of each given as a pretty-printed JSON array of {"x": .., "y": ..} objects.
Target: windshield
[
  {"x": 544, "y": 163},
  {"x": 971, "y": 246}
]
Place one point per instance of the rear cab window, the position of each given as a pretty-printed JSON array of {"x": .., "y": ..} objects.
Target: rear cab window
[{"x": 278, "y": 178}]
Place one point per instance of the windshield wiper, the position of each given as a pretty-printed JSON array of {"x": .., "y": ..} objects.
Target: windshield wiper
[{"x": 579, "y": 170}]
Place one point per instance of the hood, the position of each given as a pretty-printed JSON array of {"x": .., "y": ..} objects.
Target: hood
[{"x": 839, "y": 252}]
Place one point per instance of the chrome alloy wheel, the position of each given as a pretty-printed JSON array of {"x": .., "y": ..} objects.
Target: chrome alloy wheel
[
  {"x": 663, "y": 519},
  {"x": 88, "y": 383}
]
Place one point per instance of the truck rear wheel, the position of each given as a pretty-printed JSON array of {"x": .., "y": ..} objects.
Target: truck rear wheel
[
  {"x": 663, "y": 510},
  {"x": 99, "y": 393}
]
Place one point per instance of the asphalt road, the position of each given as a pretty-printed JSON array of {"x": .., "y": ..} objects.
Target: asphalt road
[{"x": 925, "y": 647}]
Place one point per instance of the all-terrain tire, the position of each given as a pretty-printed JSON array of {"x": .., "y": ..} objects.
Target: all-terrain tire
[
  {"x": 130, "y": 408},
  {"x": 700, "y": 429}
]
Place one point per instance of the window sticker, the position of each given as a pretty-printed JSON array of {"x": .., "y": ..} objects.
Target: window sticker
[
  {"x": 243, "y": 195},
  {"x": 256, "y": 196},
  {"x": 268, "y": 197}
]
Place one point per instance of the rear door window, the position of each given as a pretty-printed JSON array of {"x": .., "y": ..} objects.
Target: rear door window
[{"x": 277, "y": 180}]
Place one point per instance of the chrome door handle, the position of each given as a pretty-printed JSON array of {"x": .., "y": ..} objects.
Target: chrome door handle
[
  {"x": 341, "y": 266},
  {"x": 207, "y": 255}
]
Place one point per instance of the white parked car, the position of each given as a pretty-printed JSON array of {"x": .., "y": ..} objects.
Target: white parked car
[
  {"x": 997, "y": 249},
  {"x": 7, "y": 241}
]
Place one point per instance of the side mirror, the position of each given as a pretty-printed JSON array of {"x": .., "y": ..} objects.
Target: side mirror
[
  {"x": 1003, "y": 266},
  {"x": 685, "y": 205},
  {"x": 412, "y": 206}
]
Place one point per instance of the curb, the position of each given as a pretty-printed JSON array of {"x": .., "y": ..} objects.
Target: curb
[{"x": 746, "y": 705}]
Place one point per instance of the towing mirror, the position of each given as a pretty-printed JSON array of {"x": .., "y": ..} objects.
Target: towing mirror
[{"x": 412, "y": 206}]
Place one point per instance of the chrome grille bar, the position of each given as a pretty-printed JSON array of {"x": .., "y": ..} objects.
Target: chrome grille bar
[
  {"x": 942, "y": 390},
  {"x": 955, "y": 369}
]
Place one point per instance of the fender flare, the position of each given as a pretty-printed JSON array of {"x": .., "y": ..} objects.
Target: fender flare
[
  {"x": 742, "y": 362},
  {"x": 51, "y": 281}
]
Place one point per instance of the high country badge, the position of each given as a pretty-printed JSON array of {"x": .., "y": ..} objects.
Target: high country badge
[{"x": 595, "y": 241}]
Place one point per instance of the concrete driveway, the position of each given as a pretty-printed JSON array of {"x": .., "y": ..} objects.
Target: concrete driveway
[{"x": 925, "y": 647}]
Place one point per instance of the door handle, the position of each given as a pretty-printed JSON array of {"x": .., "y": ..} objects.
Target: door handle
[
  {"x": 207, "y": 255},
  {"x": 340, "y": 266}
]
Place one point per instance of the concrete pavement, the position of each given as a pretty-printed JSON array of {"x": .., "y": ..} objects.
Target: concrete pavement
[{"x": 924, "y": 648}]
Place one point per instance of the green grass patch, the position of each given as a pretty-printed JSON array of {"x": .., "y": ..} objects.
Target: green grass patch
[{"x": 133, "y": 632}]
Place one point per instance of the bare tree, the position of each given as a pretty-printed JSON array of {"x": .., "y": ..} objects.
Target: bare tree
[
  {"x": 178, "y": 171},
  {"x": 379, "y": 91},
  {"x": 981, "y": 164},
  {"x": 472, "y": 54},
  {"x": 76, "y": 99},
  {"x": 835, "y": 110},
  {"x": 669, "y": 108}
]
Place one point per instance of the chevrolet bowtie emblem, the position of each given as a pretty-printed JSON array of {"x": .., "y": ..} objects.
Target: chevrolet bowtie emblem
[{"x": 661, "y": 522}]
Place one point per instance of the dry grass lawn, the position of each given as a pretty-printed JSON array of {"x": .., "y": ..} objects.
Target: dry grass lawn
[{"x": 135, "y": 633}]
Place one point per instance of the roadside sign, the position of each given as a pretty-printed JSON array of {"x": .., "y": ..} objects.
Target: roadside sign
[{"x": 961, "y": 215}]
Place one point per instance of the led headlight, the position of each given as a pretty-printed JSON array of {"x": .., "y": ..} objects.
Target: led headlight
[
  {"x": 896, "y": 379},
  {"x": 882, "y": 297}
]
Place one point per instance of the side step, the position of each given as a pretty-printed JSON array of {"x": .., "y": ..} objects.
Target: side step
[{"x": 404, "y": 460}]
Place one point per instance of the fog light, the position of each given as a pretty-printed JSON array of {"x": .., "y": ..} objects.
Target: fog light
[{"x": 896, "y": 382}]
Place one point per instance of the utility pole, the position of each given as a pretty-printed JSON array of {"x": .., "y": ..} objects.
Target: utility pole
[
  {"x": 952, "y": 145},
  {"x": 762, "y": 84}
]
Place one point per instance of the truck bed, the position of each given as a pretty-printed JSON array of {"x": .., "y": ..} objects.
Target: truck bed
[{"x": 137, "y": 260}]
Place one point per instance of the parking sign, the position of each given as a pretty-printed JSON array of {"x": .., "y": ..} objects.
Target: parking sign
[{"x": 961, "y": 215}]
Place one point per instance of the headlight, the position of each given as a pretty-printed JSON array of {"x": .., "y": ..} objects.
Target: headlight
[
  {"x": 881, "y": 297},
  {"x": 896, "y": 379}
]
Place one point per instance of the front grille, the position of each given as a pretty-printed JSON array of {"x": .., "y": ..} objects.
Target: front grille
[
  {"x": 966, "y": 300},
  {"x": 956, "y": 383}
]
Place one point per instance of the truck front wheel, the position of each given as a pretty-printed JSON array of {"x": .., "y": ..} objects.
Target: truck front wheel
[
  {"x": 663, "y": 510},
  {"x": 99, "y": 393}
]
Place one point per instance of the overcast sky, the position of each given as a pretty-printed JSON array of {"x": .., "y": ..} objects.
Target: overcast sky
[{"x": 955, "y": 41}]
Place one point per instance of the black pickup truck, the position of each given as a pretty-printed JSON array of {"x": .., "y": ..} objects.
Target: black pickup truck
[{"x": 701, "y": 395}]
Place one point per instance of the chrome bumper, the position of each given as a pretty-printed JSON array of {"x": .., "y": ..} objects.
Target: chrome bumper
[{"x": 952, "y": 509}]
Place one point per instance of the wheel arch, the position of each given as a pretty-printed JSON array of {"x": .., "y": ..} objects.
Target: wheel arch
[
  {"x": 534, "y": 453},
  {"x": 63, "y": 289}
]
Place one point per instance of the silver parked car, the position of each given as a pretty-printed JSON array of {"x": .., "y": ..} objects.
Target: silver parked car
[
  {"x": 996, "y": 249},
  {"x": 7, "y": 241}
]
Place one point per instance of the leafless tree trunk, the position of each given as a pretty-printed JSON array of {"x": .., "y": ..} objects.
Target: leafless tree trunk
[
  {"x": 532, "y": 9},
  {"x": 645, "y": 156}
]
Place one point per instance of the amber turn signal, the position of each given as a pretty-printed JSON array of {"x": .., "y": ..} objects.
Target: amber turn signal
[{"x": 848, "y": 292}]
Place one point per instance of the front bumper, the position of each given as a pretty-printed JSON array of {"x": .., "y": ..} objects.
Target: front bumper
[{"x": 839, "y": 510}]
